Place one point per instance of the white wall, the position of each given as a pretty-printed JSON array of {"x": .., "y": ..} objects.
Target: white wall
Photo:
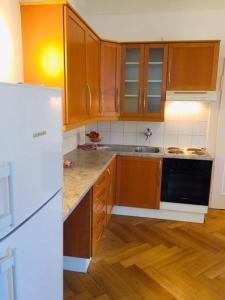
[
  {"x": 178, "y": 25},
  {"x": 73, "y": 138},
  {"x": 11, "y": 64}
]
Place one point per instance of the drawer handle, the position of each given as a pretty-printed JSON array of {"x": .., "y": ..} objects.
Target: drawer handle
[
  {"x": 100, "y": 206},
  {"x": 7, "y": 287},
  {"x": 6, "y": 218},
  {"x": 100, "y": 234},
  {"x": 101, "y": 218},
  {"x": 101, "y": 181}
]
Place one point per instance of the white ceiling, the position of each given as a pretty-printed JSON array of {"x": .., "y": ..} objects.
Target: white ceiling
[{"x": 94, "y": 7}]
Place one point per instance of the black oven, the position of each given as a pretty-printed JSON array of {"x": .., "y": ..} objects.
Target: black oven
[{"x": 186, "y": 181}]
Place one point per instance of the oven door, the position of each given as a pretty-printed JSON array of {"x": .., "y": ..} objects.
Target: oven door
[{"x": 186, "y": 181}]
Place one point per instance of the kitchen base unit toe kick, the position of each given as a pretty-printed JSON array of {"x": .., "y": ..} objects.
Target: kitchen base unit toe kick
[
  {"x": 167, "y": 211},
  {"x": 76, "y": 264}
]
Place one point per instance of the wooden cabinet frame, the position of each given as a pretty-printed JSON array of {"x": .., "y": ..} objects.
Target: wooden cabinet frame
[
  {"x": 142, "y": 114},
  {"x": 131, "y": 188},
  {"x": 205, "y": 75}
]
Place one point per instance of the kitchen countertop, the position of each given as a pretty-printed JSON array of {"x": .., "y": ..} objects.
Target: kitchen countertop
[{"x": 87, "y": 166}]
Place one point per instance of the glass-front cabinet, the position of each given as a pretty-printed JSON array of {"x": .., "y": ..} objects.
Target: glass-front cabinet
[
  {"x": 132, "y": 77},
  {"x": 143, "y": 85}
]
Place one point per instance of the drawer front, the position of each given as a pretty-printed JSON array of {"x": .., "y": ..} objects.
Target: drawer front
[
  {"x": 99, "y": 218},
  {"x": 100, "y": 183},
  {"x": 99, "y": 198},
  {"x": 99, "y": 221}
]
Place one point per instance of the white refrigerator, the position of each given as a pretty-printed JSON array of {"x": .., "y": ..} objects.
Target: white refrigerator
[{"x": 31, "y": 176}]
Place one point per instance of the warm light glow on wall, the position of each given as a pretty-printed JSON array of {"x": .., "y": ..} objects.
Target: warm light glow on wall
[
  {"x": 184, "y": 107},
  {"x": 6, "y": 50},
  {"x": 52, "y": 61}
]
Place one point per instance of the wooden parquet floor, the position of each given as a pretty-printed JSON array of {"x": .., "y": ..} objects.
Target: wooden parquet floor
[{"x": 155, "y": 260}]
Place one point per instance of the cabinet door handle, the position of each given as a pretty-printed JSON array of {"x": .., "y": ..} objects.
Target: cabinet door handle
[
  {"x": 145, "y": 101},
  {"x": 160, "y": 172},
  {"x": 110, "y": 181},
  {"x": 139, "y": 100},
  {"x": 101, "y": 102},
  {"x": 169, "y": 77},
  {"x": 117, "y": 100},
  {"x": 6, "y": 218},
  {"x": 7, "y": 289},
  {"x": 90, "y": 98}
]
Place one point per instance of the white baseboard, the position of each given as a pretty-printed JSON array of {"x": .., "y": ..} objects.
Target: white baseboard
[
  {"x": 76, "y": 264},
  {"x": 191, "y": 208},
  {"x": 164, "y": 214}
]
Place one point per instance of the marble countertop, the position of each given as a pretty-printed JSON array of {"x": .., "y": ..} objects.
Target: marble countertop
[{"x": 87, "y": 166}]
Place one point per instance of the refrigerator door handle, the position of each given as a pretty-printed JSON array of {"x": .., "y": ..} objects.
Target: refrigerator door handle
[
  {"x": 7, "y": 265},
  {"x": 6, "y": 218}
]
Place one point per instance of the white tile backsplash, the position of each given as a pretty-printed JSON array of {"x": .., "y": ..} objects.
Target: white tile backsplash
[
  {"x": 185, "y": 128},
  {"x": 116, "y": 138},
  {"x": 117, "y": 126},
  {"x": 184, "y": 140},
  {"x": 130, "y": 126},
  {"x": 186, "y": 125},
  {"x": 171, "y": 127},
  {"x": 104, "y": 126},
  {"x": 170, "y": 140},
  {"x": 200, "y": 128},
  {"x": 198, "y": 141},
  {"x": 130, "y": 138}
]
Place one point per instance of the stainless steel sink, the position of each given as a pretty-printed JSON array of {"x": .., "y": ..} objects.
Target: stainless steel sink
[
  {"x": 147, "y": 149},
  {"x": 121, "y": 148},
  {"x": 126, "y": 148}
]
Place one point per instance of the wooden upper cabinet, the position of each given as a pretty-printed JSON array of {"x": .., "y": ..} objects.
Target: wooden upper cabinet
[
  {"x": 76, "y": 71},
  {"x": 143, "y": 81},
  {"x": 43, "y": 47},
  {"x": 109, "y": 79},
  {"x": 193, "y": 66},
  {"x": 138, "y": 181},
  {"x": 62, "y": 51},
  {"x": 93, "y": 73}
]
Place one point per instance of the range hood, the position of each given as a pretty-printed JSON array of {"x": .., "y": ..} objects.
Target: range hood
[{"x": 191, "y": 96}]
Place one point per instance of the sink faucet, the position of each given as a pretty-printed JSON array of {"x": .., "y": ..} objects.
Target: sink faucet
[{"x": 148, "y": 133}]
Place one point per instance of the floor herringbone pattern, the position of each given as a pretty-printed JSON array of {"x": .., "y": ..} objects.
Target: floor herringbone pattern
[{"x": 155, "y": 260}]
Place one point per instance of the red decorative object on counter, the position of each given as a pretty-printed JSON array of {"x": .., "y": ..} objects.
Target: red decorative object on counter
[{"x": 94, "y": 136}]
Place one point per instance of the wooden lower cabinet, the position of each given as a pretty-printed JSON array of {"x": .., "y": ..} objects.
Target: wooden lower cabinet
[
  {"x": 77, "y": 230},
  {"x": 111, "y": 170},
  {"x": 99, "y": 210},
  {"x": 138, "y": 181},
  {"x": 84, "y": 227}
]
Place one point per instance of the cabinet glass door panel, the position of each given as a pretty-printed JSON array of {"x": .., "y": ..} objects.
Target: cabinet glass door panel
[
  {"x": 154, "y": 103},
  {"x": 132, "y": 79},
  {"x": 156, "y": 61},
  {"x": 154, "y": 79},
  {"x": 131, "y": 104}
]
